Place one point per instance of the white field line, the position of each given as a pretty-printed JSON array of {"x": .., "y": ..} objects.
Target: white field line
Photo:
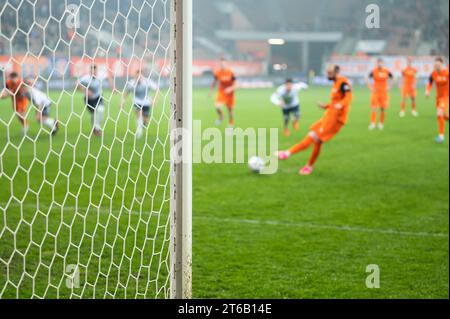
[
  {"x": 322, "y": 226},
  {"x": 260, "y": 222}
]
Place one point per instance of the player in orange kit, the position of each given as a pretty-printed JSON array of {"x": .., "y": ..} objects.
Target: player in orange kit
[
  {"x": 440, "y": 77},
  {"x": 226, "y": 80},
  {"x": 16, "y": 89},
  {"x": 330, "y": 124},
  {"x": 380, "y": 93},
  {"x": 409, "y": 88}
]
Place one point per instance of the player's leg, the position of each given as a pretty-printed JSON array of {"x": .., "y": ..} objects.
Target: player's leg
[
  {"x": 403, "y": 106},
  {"x": 90, "y": 106},
  {"x": 373, "y": 111},
  {"x": 139, "y": 121},
  {"x": 230, "y": 110},
  {"x": 384, "y": 104},
  {"x": 146, "y": 112},
  {"x": 39, "y": 117},
  {"x": 373, "y": 118},
  {"x": 96, "y": 108},
  {"x": 220, "y": 103},
  {"x": 230, "y": 107},
  {"x": 414, "y": 106},
  {"x": 219, "y": 112},
  {"x": 296, "y": 112},
  {"x": 382, "y": 118},
  {"x": 303, "y": 145},
  {"x": 20, "y": 108},
  {"x": 308, "y": 169},
  {"x": 286, "y": 119},
  {"x": 21, "y": 116},
  {"x": 441, "y": 118},
  {"x": 46, "y": 120}
]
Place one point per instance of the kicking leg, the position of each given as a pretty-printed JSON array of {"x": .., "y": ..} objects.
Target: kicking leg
[{"x": 302, "y": 146}]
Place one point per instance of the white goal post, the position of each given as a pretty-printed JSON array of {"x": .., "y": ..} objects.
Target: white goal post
[
  {"x": 96, "y": 149},
  {"x": 181, "y": 212}
]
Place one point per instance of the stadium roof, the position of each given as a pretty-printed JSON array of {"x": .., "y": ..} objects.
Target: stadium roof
[{"x": 287, "y": 36}]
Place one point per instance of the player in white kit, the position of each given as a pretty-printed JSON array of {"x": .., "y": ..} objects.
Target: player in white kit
[
  {"x": 92, "y": 86},
  {"x": 43, "y": 105},
  {"x": 286, "y": 97},
  {"x": 141, "y": 88}
]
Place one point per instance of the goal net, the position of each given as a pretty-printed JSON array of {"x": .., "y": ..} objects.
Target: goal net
[{"x": 92, "y": 202}]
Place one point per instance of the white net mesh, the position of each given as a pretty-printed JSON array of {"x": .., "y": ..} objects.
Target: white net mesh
[{"x": 84, "y": 213}]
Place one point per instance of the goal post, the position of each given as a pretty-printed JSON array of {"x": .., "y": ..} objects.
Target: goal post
[
  {"x": 181, "y": 210},
  {"x": 96, "y": 149}
]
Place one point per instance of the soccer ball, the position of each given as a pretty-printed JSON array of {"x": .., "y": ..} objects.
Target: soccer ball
[{"x": 256, "y": 164}]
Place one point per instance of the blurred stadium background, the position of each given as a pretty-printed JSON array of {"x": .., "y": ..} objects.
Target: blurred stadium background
[{"x": 311, "y": 33}]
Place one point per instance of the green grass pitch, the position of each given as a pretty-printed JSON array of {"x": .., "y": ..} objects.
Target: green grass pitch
[{"x": 375, "y": 198}]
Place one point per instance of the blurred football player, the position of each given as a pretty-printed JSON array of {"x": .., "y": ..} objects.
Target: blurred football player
[
  {"x": 141, "y": 88},
  {"x": 43, "y": 104},
  {"x": 409, "y": 75},
  {"x": 15, "y": 88},
  {"x": 92, "y": 87},
  {"x": 226, "y": 81},
  {"x": 440, "y": 77},
  {"x": 380, "y": 88},
  {"x": 336, "y": 116},
  {"x": 286, "y": 97}
]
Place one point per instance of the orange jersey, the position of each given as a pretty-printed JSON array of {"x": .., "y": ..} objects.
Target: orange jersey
[
  {"x": 19, "y": 98},
  {"x": 226, "y": 79},
  {"x": 335, "y": 117},
  {"x": 381, "y": 78},
  {"x": 340, "y": 94},
  {"x": 441, "y": 79},
  {"x": 409, "y": 77}
]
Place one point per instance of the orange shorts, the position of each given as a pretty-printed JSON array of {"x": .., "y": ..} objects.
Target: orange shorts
[
  {"x": 442, "y": 103},
  {"x": 409, "y": 92},
  {"x": 20, "y": 105},
  {"x": 380, "y": 99},
  {"x": 225, "y": 99},
  {"x": 326, "y": 129}
]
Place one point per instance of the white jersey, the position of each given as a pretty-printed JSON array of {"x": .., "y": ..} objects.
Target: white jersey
[
  {"x": 39, "y": 98},
  {"x": 141, "y": 90},
  {"x": 93, "y": 84},
  {"x": 288, "y": 99}
]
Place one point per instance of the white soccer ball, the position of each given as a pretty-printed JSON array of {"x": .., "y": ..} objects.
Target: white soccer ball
[{"x": 256, "y": 164}]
